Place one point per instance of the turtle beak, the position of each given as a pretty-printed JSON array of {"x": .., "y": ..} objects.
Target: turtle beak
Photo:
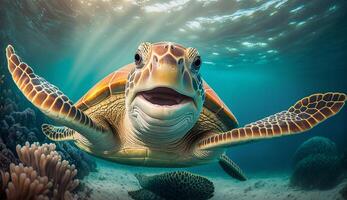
[
  {"x": 169, "y": 72},
  {"x": 167, "y": 83},
  {"x": 166, "y": 72},
  {"x": 164, "y": 96},
  {"x": 166, "y": 86}
]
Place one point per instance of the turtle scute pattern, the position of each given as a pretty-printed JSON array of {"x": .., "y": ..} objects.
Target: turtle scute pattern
[
  {"x": 304, "y": 115},
  {"x": 174, "y": 186},
  {"x": 217, "y": 106},
  {"x": 45, "y": 96}
]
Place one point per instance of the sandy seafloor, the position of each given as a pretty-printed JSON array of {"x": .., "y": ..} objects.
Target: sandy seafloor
[{"x": 113, "y": 181}]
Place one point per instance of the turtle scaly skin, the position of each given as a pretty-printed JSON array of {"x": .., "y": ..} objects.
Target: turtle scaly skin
[{"x": 158, "y": 111}]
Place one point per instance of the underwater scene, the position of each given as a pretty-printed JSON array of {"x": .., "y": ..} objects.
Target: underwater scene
[{"x": 177, "y": 99}]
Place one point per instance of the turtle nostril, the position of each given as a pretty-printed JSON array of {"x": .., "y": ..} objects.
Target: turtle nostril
[
  {"x": 155, "y": 61},
  {"x": 172, "y": 47},
  {"x": 180, "y": 64},
  {"x": 180, "y": 61}
]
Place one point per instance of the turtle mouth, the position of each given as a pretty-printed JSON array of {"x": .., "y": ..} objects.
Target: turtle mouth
[{"x": 164, "y": 96}]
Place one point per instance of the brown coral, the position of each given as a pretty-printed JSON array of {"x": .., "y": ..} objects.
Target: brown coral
[
  {"x": 43, "y": 175},
  {"x": 25, "y": 183}
]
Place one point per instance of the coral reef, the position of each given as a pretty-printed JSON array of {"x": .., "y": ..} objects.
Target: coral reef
[
  {"x": 173, "y": 185},
  {"x": 23, "y": 182},
  {"x": 6, "y": 157},
  {"x": 41, "y": 175},
  {"x": 16, "y": 126},
  {"x": 19, "y": 127},
  {"x": 344, "y": 161},
  {"x": 317, "y": 165},
  {"x": 315, "y": 145},
  {"x": 317, "y": 172},
  {"x": 80, "y": 159}
]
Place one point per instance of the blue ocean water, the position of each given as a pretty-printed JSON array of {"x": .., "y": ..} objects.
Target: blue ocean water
[{"x": 259, "y": 56}]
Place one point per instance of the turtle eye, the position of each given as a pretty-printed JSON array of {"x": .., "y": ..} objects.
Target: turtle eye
[
  {"x": 196, "y": 63},
  {"x": 138, "y": 59}
]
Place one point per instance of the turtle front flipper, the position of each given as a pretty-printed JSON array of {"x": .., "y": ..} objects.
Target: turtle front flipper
[
  {"x": 231, "y": 168},
  {"x": 304, "y": 115},
  {"x": 52, "y": 102}
]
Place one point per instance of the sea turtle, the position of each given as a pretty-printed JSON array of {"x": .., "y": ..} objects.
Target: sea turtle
[{"x": 158, "y": 111}]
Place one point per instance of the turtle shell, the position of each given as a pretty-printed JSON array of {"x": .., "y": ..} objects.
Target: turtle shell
[
  {"x": 115, "y": 83},
  {"x": 112, "y": 84},
  {"x": 217, "y": 106}
]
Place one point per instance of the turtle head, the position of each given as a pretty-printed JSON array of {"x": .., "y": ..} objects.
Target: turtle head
[{"x": 165, "y": 88}]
